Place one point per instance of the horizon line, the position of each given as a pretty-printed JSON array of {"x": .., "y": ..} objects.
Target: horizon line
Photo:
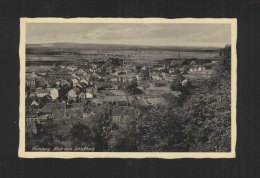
[{"x": 199, "y": 46}]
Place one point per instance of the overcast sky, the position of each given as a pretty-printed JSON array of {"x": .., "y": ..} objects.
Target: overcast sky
[{"x": 217, "y": 35}]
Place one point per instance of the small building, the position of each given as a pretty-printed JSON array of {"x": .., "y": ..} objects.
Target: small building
[
  {"x": 143, "y": 68},
  {"x": 89, "y": 95},
  {"x": 85, "y": 74},
  {"x": 82, "y": 95},
  {"x": 64, "y": 82},
  {"x": 156, "y": 77},
  {"x": 197, "y": 69},
  {"x": 83, "y": 81},
  {"x": 155, "y": 101},
  {"x": 35, "y": 104},
  {"x": 115, "y": 79},
  {"x": 74, "y": 82},
  {"x": 54, "y": 93},
  {"x": 81, "y": 70},
  {"x": 72, "y": 94},
  {"x": 74, "y": 75},
  {"x": 115, "y": 87},
  {"x": 42, "y": 92},
  {"x": 171, "y": 70}
]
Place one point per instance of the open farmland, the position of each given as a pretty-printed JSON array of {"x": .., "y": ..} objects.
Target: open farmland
[{"x": 68, "y": 52}]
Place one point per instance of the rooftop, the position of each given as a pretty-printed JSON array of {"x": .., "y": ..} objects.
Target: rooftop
[
  {"x": 49, "y": 107},
  {"x": 115, "y": 98}
]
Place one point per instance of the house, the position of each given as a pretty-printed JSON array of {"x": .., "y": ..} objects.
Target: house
[
  {"x": 74, "y": 82},
  {"x": 89, "y": 89},
  {"x": 143, "y": 68},
  {"x": 192, "y": 63},
  {"x": 163, "y": 75},
  {"x": 115, "y": 87},
  {"x": 89, "y": 95},
  {"x": 155, "y": 101},
  {"x": 184, "y": 82},
  {"x": 121, "y": 73},
  {"x": 64, "y": 82},
  {"x": 71, "y": 68},
  {"x": 141, "y": 88},
  {"x": 54, "y": 93},
  {"x": 81, "y": 70},
  {"x": 82, "y": 95},
  {"x": 33, "y": 75},
  {"x": 86, "y": 95},
  {"x": 57, "y": 83},
  {"x": 171, "y": 70},
  {"x": 35, "y": 104},
  {"x": 74, "y": 75},
  {"x": 32, "y": 94},
  {"x": 42, "y": 92},
  {"x": 85, "y": 74},
  {"x": 156, "y": 77},
  {"x": 83, "y": 81},
  {"x": 197, "y": 69},
  {"x": 72, "y": 94},
  {"x": 115, "y": 79}
]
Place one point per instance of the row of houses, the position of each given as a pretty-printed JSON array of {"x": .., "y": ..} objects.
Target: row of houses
[{"x": 57, "y": 111}]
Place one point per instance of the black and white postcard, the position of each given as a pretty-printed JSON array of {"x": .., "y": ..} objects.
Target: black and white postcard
[{"x": 128, "y": 88}]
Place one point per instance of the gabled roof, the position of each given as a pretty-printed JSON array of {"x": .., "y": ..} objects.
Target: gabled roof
[
  {"x": 42, "y": 91},
  {"x": 34, "y": 103}
]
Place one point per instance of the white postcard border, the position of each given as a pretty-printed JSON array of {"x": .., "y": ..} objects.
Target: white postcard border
[{"x": 169, "y": 155}]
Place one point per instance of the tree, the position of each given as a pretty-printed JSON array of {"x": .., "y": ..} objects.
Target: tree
[
  {"x": 101, "y": 127},
  {"x": 46, "y": 135},
  {"x": 132, "y": 88},
  {"x": 181, "y": 84},
  {"x": 208, "y": 111},
  {"x": 81, "y": 135},
  {"x": 161, "y": 130},
  {"x": 176, "y": 83},
  {"x": 127, "y": 135}
]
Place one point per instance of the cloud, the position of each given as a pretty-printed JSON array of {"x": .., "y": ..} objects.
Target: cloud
[{"x": 140, "y": 34}]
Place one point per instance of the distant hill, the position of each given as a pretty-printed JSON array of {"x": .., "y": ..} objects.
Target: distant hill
[{"x": 60, "y": 46}]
